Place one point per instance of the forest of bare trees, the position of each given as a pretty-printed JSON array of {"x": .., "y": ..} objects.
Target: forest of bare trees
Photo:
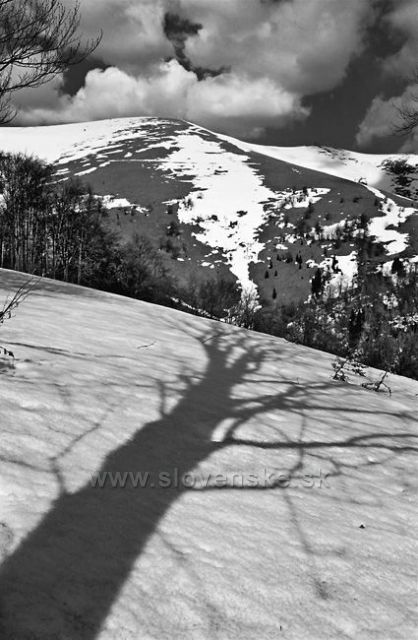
[{"x": 47, "y": 228}]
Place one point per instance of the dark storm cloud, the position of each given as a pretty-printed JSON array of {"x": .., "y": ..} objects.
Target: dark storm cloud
[
  {"x": 177, "y": 30},
  {"x": 74, "y": 77}
]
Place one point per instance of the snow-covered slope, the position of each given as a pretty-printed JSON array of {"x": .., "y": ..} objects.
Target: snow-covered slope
[
  {"x": 71, "y": 141},
  {"x": 297, "y": 517},
  {"x": 367, "y": 168},
  {"x": 239, "y": 204}
]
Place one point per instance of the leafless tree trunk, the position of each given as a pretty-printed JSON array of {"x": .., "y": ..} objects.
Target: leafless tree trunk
[{"x": 38, "y": 40}]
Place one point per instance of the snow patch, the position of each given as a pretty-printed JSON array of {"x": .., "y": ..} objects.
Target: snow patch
[
  {"x": 394, "y": 215},
  {"x": 218, "y": 199}
]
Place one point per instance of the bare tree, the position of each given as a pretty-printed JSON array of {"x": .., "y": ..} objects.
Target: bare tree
[
  {"x": 11, "y": 304},
  {"x": 38, "y": 40},
  {"x": 408, "y": 111},
  {"x": 13, "y": 301}
]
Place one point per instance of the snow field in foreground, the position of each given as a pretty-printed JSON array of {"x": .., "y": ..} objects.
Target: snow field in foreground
[{"x": 107, "y": 384}]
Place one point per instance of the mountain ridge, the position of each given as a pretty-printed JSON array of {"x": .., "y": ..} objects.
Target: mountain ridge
[
  {"x": 238, "y": 209},
  {"x": 302, "y": 155}
]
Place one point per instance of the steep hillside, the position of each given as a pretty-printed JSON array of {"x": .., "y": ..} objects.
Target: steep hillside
[
  {"x": 215, "y": 205},
  {"x": 297, "y": 517},
  {"x": 381, "y": 171}
]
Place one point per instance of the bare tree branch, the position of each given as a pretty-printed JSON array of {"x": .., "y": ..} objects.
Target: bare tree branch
[
  {"x": 10, "y": 305},
  {"x": 408, "y": 111},
  {"x": 12, "y": 302},
  {"x": 38, "y": 40}
]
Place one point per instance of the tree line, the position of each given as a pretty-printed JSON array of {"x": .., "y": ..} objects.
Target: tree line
[
  {"x": 48, "y": 228},
  {"x": 372, "y": 320},
  {"x": 61, "y": 230}
]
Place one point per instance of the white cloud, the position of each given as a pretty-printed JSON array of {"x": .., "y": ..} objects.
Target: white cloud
[
  {"x": 114, "y": 93},
  {"x": 305, "y": 47},
  {"x": 383, "y": 119},
  {"x": 403, "y": 20},
  {"x": 378, "y": 121},
  {"x": 238, "y": 105}
]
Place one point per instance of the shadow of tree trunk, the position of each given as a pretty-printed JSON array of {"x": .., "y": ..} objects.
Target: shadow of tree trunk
[{"x": 63, "y": 579}]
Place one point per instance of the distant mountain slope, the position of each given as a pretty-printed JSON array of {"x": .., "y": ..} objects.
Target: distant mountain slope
[
  {"x": 216, "y": 205},
  {"x": 377, "y": 170},
  {"x": 257, "y": 541}
]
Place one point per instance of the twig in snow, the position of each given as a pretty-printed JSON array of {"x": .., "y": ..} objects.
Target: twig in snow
[
  {"x": 375, "y": 386},
  {"x": 145, "y": 346}
]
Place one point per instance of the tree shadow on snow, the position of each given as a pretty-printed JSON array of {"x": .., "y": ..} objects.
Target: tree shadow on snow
[{"x": 63, "y": 579}]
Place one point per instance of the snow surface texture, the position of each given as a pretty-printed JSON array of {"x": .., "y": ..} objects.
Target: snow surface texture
[{"x": 102, "y": 383}]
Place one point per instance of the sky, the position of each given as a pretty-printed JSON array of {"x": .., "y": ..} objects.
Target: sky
[{"x": 281, "y": 72}]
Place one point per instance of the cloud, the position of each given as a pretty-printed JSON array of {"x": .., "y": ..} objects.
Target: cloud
[
  {"x": 379, "y": 120},
  {"x": 383, "y": 118},
  {"x": 237, "y": 66},
  {"x": 133, "y": 35},
  {"x": 240, "y": 105},
  {"x": 114, "y": 93},
  {"x": 304, "y": 47},
  {"x": 402, "y": 21},
  {"x": 233, "y": 103}
]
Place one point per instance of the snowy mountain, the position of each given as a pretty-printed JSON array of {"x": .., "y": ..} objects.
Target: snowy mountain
[
  {"x": 267, "y": 215},
  {"x": 297, "y": 517},
  {"x": 376, "y": 170}
]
